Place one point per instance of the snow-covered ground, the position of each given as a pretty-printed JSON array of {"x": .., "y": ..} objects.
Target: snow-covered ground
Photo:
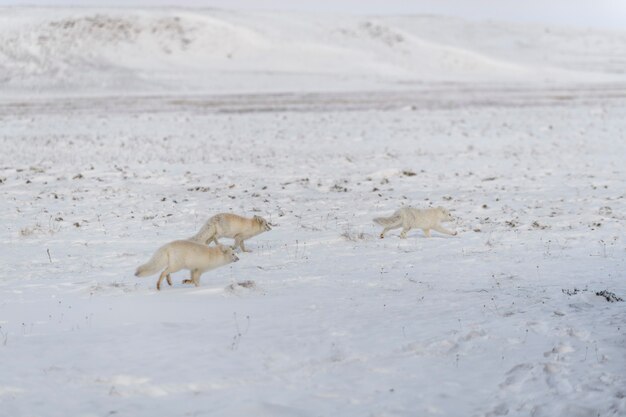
[
  {"x": 502, "y": 319},
  {"x": 83, "y": 51}
]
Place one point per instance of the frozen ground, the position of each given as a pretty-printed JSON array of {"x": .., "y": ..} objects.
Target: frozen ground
[
  {"x": 113, "y": 157},
  {"x": 502, "y": 319}
]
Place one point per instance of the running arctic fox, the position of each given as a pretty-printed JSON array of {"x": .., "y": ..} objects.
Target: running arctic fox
[
  {"x": 411, "y": 218},
  {"x": 232, "y": 226},
  {"x": 183, "y": 254}
]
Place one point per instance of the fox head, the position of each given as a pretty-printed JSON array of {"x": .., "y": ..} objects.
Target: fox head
[
  {"x": 265, "y": 226},
  {"x": 228, "y": 253},
  {"x": 445, "y": 214}
]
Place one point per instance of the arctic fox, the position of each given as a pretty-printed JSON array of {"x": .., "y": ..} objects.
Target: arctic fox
[
  {"x": 231, "y": 226},
  {"x": 411, "y": 218},
  {"x": 183, "y": 254}
]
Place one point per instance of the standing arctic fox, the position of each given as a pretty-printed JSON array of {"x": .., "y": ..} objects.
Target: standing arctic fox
[
  {"x": 183, "y": 254},
  {"x": 411, "y": 218},
  {"x": 231, "y": 226}
]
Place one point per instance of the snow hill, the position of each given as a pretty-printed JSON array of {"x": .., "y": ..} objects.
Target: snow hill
[{"x": 88, "y": 51}]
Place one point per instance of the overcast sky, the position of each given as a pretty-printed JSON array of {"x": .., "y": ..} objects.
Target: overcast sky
[{"x": 596, "y": 13}]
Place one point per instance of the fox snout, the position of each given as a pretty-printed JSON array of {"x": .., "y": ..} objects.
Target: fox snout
[{"x": 235, "y": 258}]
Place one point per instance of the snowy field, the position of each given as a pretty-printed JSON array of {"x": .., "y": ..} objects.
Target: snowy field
[{"x": 503, "y": 319}]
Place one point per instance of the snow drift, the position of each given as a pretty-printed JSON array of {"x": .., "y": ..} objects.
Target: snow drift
[{"x": 200, "y": 50}]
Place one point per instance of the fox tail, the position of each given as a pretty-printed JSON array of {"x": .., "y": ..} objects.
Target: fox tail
[
  {"x": 394, "y": 220},
  {"x": 205, "y": 234},
  {"x": 158, "y": 262}
]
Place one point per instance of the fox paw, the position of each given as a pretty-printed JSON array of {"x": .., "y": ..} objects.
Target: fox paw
[{"x": 187, "y": 281}]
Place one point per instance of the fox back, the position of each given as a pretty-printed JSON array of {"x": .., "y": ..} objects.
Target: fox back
[
  {"x": 230, "y": 225},
  {"x": 424, "y": 218},
  {"x": 184, "y": 254}
]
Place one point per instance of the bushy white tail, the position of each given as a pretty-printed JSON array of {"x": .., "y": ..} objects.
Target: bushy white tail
[
  {"x": 157, "y": 263},
  {"x": 205, "y": 234},
  {"x": 394, "y": 220}
]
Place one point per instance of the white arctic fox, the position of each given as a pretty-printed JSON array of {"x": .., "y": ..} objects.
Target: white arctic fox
[
  {"x": 232, "y": 226},
  {"x": 411, "y": 218},
  {"x": 183, "y": 254}
]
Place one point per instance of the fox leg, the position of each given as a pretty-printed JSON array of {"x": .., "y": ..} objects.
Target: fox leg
[
  {"x": 195, "y": 278},
  {"x": 390, "y": 227},
  {"x": 443, "y": 230},
  {"x": 404, "y": 232},
  {"x": 189, "y": 280},
  {"x": 169, "y": 279},
  {"x": 239, "y": 242},
  {"x": 209, "y": 239},
  {"x": 212, "y": 239},
  {"x": 164, "y": 274}
]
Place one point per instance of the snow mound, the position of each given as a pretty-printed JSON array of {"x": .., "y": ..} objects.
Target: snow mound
[{"x": 198, "y": 50}]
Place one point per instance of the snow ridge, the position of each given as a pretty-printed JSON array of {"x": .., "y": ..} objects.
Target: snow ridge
[{"x": 161, "y": 50}]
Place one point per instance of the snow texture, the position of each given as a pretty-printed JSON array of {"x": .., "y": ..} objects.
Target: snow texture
[
  {"x": 57, "y": 51},
  {"x": 511, "y": 317}
]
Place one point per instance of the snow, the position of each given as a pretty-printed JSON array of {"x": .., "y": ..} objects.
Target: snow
[
  {"x": 124, "y": 51},
  {"x": 322, "y": 318}
]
